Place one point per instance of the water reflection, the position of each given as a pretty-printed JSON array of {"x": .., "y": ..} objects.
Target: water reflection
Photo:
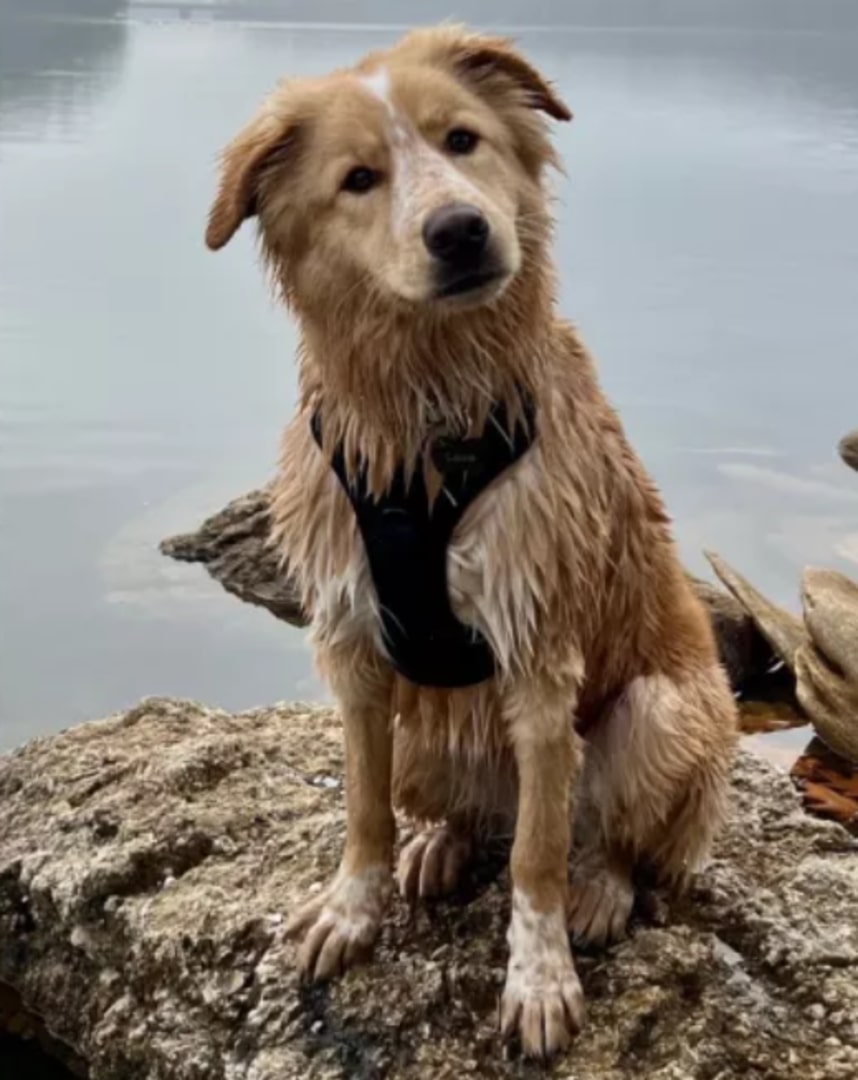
[
  {"x": 781, "y": 15},
  {"x": 52, "y": 66},
  {"x": 708, "y": 246}
]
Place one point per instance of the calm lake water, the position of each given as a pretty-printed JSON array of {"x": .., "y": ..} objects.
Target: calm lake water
[{"x": 708, "y": 242}]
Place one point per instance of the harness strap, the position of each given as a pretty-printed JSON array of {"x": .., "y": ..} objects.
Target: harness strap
[{"x": 406, "y": 544}]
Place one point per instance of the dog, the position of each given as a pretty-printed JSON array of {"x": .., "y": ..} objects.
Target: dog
[{"x": 496, "y": 599}]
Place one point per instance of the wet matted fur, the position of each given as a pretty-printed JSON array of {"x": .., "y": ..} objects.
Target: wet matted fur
[{"x": 608, "y": 690}]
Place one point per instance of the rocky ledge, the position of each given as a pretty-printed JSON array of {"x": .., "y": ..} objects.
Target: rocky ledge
[{"x": 147, "y": 862}]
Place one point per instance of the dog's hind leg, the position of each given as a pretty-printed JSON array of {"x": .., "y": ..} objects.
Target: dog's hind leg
[
  {"x": 432, "y": 863},
  {"x": 653, "y": 791},
  {"x": 457, "y": 799}
]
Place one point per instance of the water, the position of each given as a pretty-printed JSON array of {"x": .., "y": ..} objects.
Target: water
[{"x": 708, "y": 241}]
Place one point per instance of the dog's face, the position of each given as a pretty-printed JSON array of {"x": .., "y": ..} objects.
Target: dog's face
[{"x": 410, "y": 178}]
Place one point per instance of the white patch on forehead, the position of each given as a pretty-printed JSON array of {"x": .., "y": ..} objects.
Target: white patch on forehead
[
  {"x": 423, "y": 178},
  {"x": 420, "y": 172},
  {"x": 378, "y": 83}
]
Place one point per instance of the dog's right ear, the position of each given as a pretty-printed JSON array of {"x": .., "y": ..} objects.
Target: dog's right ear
[
  {"x": 484, "y": 58},
  {"x": 267, "y": 139}
]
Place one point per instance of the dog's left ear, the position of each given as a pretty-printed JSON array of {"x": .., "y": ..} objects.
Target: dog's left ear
[
  {"x": 483, "y": 58},
  {"x": 268, "y": 137}
]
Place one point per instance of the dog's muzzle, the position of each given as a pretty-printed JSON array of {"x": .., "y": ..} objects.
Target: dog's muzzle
[{"x": 458, "y": 237}]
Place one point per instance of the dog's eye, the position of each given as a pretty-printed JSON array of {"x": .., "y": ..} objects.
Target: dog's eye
[
  {"x": 360, "y": 179},
  {"x": 461, "y": 141}
]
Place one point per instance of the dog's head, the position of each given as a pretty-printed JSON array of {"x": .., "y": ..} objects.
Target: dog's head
[{"x": 414, "y": 177}]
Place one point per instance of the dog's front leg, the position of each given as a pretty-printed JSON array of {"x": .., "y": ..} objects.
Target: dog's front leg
[
  {"x": 542, "y": 999},
  {"x": 341, "y": 925}
]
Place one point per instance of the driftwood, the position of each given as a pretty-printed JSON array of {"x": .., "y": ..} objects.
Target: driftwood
[
  {"x": 148, "y": 861},
  {"x": 233, "y": 545},
  {"x": 849, "y": 449},
  {"x": 820, "y": 649}
]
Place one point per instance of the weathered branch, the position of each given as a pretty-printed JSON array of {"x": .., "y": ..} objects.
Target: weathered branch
[
  {"x": 820, "y": 648},
  {"x": 849, "y": 449}
]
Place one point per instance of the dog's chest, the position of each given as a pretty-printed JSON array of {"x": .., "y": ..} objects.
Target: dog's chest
[{"x": 419, "y": 573}]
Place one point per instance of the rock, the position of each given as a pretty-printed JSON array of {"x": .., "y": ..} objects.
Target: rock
[
  {"x": 147, "y": 862},
  {"x": 849, "y": 449},
  {"x": 821, "y": 649},
  {"x": 234, "y": 547},
  {"x": 27, "y": 1048}
]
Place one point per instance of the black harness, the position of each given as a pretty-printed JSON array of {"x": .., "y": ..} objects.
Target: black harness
[{"x": 406, "y": 546}]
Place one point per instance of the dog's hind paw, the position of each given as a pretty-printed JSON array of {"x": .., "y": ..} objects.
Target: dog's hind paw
[
  {"x": 431, "y": 863},
  {"x": 341, "y": 925},
  {"x": 601, "y": 897}
]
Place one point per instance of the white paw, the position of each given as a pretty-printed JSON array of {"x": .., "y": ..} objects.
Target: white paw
[
  {"x": 341, "y": 925},
  {"x": 542, "y": 1000}
]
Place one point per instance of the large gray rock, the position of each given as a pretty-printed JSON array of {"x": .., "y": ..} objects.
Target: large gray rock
[{"x": 147, "y": 862}]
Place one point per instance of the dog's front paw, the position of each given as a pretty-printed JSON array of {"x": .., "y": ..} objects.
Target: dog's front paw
[
  {"x": 341, "y": 925},
  {"x": 542, "y": 1000}
]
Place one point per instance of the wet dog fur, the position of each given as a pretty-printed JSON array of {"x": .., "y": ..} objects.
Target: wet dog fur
[{"x": 609, "y": 715}]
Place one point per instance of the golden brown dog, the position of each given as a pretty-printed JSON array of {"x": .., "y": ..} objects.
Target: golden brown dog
[{"x": 403, "y": 214}]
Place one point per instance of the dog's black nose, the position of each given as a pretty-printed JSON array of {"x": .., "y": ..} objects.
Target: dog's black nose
[{"x": 456, "y": 234}]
